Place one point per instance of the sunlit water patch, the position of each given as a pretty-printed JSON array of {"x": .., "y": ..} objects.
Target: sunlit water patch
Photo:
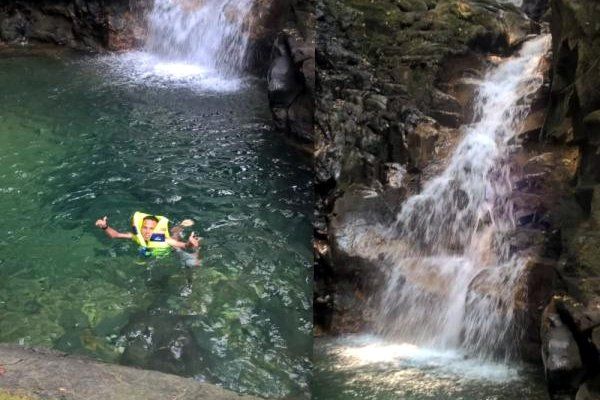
[
  {"x": 77, "y": 145},
  {"x": 143, "y": 68},
  {"x": 370, "y": 367}
]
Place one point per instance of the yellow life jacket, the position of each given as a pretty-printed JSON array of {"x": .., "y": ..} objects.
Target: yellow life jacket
[{"x": 157, "y": 246}]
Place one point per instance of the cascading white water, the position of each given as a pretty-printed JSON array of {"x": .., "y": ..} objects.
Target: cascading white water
[
  {"x": 197, "y": 44},
  {"x": 209, "y": 33},
  {"x": 517, "y": 3},
  {"x": 452, "y": 279}
]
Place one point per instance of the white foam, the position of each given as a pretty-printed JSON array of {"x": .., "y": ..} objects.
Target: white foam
[
  {"x": 142, "y": 68},
  {"x": 213, "y": 33},
  {"x": 365, "y": 350}
]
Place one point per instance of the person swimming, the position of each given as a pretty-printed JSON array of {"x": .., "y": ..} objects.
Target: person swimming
[{"x": 151, "y": 233}]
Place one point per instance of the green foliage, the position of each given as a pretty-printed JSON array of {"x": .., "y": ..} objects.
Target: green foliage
[{"x": 13, "y": 396}]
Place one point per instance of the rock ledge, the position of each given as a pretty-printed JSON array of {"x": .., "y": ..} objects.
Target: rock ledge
[{"x": 51, "y": 374}]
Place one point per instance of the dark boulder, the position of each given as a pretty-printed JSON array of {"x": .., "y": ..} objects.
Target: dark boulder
[
  {"x": 562, "y": 362},
  {"x": 291, "y": 76},
  {"x": 535, "y": 9}
]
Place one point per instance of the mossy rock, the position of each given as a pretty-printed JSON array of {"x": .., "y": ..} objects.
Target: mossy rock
[
  {"x": 15, "y": 396},
  {"x": 420, "y": 35}
]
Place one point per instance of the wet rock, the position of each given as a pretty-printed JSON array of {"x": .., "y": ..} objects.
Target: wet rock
[
  {"x": 589, "y": 390},
  {"x": 535, "y": 8},
  {"x": 351, "y": 308},
  {"x": 13, "y": 26},
  {"x": 447, "y": 118},
  {"x": 532, "y": 293},
  {"x": 532, "y": 127},
  {"x": 562, "y": 362},
  {"x": 95, "y": 25},
  {"x": 300, "y": 118},
  {"x": 395, "y": 174},
  {"x": 577, "y": 315},
  {"x": 264, "y": 21},
  {"x": 528, "y": 240},
  {"x": 575, "y": 73},
  {"x": 584, "y": 256},
  {"x": 528, "y": 208},
  {"x": 421, "y": 142},
  {"x": 376, "y": 102},
  {"x": 592, "y": 125},
  {"x": 291, "y": 76},
  {"x": 558, "y": 167},
  {"x": 51, "y": 374},
  {"x": 355, "y": 217},
  {"x": 538, "y": 282},
  {"x": 595, "y": 337},
  {"x": 284, "y": 84},
  {"x": 446, "y": 109}
]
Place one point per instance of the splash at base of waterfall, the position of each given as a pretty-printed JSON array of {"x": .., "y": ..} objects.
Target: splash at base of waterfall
[
  {"x": 200, "y": 44},
  {"x": 370, "y": 367},
  {"x": 364, "y": 350},
  {"x": 144, "y": 68}
]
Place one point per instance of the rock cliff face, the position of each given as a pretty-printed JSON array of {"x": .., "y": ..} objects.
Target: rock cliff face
[
  {"x": 571, "y": 323},
  {"x": 291, "y": 76},
  {"x": 88, "y": 25}
]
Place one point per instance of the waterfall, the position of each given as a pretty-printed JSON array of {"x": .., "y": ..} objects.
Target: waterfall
[
  {"x": 452, "y": 277},
  {"x": 208, "y": 33},
  {"x": 197, "y": 44}
]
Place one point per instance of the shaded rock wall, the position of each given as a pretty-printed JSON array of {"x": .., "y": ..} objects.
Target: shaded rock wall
[
  {"x": 88, "y": 25},
  {"x": 571, "y": 323},
  {"x": 291, "y": 75},
  {"x": 535, "y": 9}
]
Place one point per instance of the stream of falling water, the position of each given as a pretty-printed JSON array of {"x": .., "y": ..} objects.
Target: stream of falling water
[
  {"x": 209, "y": 33},
  {"x": 200, "y": 44},
  {"x": 452, "y": 278}
]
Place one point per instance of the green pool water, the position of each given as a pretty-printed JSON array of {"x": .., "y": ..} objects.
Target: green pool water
[{"x": 80, "y": 141}]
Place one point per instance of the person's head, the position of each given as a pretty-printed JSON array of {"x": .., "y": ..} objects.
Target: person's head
[{"x": 148, "y": 225}]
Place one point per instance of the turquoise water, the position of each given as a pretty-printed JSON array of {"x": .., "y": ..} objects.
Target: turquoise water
[
  {"x": 365, "y": 367},
  {"x": 81, "y": 140}
]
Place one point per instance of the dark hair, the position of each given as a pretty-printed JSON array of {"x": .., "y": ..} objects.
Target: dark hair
[{"x": 151, "y": 218}]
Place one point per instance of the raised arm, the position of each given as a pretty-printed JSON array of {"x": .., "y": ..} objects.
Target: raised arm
[
  {"x": 192, "y": 243},
  {"x": 110, "y": 232}
]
